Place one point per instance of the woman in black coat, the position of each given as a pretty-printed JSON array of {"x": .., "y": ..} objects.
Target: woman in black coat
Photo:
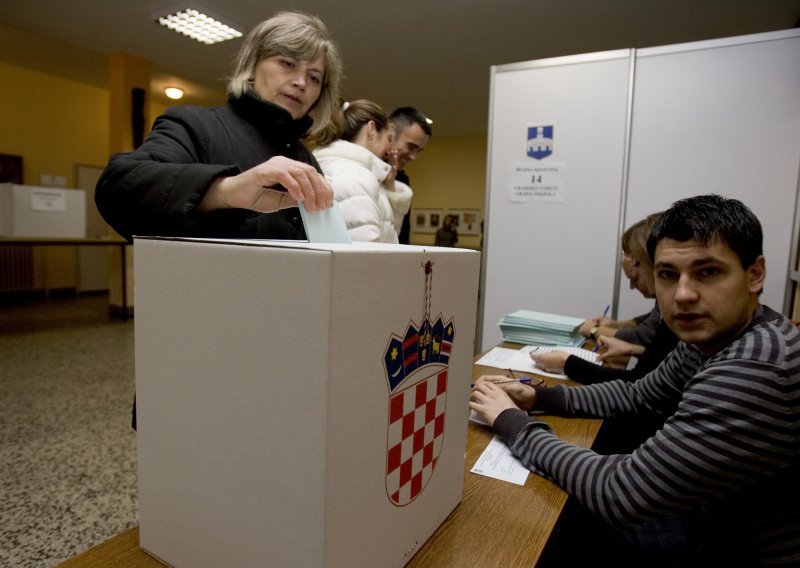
[
  {"x": 241, "y": 170},
  {"x": 237, "y": 171}
]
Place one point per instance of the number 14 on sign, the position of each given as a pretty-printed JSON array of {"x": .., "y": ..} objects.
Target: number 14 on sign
[{"x": 537, "y": 181}]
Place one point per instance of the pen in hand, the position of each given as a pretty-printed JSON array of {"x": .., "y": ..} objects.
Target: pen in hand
[
  {"x": 605, "y": 313},
  {"x": 525, "y": 380}
]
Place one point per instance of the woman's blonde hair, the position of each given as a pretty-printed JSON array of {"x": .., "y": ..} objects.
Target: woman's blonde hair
[
  {"x": 299, "y": 36},
  {"x": 349, "y": 121},
  {"x": 634, "y": 239}
]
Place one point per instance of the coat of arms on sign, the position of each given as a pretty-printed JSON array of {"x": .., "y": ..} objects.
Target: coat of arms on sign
[{"x": 540, "y": 141}]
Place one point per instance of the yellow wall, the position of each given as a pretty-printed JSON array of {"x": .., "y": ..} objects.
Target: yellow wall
[
  {"x": 55, "y": 123},
  {"x": 449, "y": 174},
  {"x": 52, "y": 123}
]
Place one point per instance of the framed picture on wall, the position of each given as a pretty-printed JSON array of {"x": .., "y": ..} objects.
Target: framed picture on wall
[
  {"x": 11, "y": 169},
  {"x": 426, "y": 220},
  {"x": 468, "y": 221}
]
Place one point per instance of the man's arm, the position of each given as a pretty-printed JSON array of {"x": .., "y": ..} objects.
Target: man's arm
[{"x": 708, "y": 440}]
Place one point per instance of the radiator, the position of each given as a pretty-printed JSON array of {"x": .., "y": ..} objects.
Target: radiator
[{"x": 16, "y": 268}]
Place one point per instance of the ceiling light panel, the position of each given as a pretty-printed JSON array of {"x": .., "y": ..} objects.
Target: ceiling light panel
[{"x": 198, "y": 22}]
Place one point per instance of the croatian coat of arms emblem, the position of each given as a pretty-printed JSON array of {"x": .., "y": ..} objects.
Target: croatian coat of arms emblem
[{"x": 416, "y": 364}]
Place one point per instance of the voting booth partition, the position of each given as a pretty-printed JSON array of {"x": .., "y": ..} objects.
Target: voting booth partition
[
  {"x": 582, "y": 147},
  {"x": 300, "y": 404}
]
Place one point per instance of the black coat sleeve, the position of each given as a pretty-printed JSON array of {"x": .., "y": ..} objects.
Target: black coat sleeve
[
  {"x": 156, "y": 189},
  {"x": 588, "y": 373}
]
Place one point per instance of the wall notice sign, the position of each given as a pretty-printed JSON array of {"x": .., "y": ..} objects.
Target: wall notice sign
[
  {"x": 537, "y": 181},
  {"x": 48, "y": 200}
]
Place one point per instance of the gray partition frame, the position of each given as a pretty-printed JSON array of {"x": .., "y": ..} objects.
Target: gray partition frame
[{"x": 526, "y": 244}]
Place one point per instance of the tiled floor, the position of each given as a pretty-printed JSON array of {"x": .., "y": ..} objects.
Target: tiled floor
[{"x": 67, "y": 452}]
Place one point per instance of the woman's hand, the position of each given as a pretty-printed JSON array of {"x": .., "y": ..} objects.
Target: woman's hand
[
  {"x": 602, "y": 322},
  {"x": 551, "y": 361},
  {"x": 490, "y": 399},
  {"x": 256, "y": 188},
  {"x": 586, "y": 327},
  {"x": 606, "y": 321},
  {"x": 613, "y": 347}
]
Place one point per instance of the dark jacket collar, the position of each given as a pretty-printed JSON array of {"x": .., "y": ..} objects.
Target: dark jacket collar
[{"x": 271, "y": 119}]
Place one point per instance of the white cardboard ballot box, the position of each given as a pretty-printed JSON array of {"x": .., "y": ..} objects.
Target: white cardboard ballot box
[
  {"x": 32, "y": 211},
  {"x": 300, "y": 405}
]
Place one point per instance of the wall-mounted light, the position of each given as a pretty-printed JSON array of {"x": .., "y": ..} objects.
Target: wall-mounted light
[
  {"x": 197, "y": 22},
  {"x": 174, "y": 93}
]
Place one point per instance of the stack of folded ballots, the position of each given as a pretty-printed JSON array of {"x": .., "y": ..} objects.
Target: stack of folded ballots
[{"x": 538, "y": 328}]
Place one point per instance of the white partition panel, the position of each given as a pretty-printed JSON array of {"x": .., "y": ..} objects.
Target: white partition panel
[
  {"x": 720, "y": 116},
  {"x": 633, "y": 132},
  {"x": 555, "y": 257}
]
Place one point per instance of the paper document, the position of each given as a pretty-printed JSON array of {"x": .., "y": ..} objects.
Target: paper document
[
  {"x": 326, "y": 226},
  {"x": 498, "y": 462},
  {"x": 520, "y": 359}
]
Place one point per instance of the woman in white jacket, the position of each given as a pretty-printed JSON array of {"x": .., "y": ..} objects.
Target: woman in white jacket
[{"x": 372, "y": 202}]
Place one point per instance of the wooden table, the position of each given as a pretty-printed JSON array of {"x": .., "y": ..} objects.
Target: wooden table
[
  {"x": 497, "y": 524},
  {"x": 123, "y": 313}
]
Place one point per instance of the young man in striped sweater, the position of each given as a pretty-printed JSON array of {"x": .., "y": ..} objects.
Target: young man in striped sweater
[{"x": 718, "y": 484}]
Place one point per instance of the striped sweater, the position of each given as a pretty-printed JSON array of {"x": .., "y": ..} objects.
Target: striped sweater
[{"x": 729, "y": 446}]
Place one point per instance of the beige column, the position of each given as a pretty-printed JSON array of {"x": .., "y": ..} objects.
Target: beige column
[{"x": 126, "y": 72}]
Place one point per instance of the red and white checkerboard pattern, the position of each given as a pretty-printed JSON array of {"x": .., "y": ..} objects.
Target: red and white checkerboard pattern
[{"x": 416, "y": 429}]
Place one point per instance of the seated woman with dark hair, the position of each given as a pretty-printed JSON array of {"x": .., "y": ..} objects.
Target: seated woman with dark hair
[
  {"x": 639, "y": 330},
  {"x": 623, "y": 433}
]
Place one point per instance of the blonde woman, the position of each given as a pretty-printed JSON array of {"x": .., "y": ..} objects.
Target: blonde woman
[
  {"x": 236, "y": 170},
  {"x": 371, "y": 200}
]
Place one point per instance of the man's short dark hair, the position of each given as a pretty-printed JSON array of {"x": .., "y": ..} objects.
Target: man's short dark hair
[
  {"x": 404, "y": 117},
  {"x": 711, "y": 219}
]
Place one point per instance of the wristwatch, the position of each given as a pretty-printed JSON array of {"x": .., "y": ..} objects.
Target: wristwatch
[{"x": 593, "y": 332}]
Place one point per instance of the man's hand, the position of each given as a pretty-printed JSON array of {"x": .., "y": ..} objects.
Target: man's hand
[{"x": 489, "y": 399}]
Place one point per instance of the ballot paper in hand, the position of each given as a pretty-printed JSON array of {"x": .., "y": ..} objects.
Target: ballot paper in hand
[{"x": 325, "y": 226}]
